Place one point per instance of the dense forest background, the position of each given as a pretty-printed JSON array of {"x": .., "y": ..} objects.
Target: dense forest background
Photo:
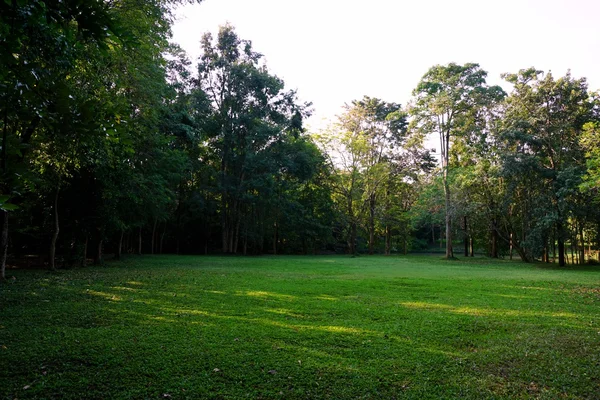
[{"x": 114, "y": 142}]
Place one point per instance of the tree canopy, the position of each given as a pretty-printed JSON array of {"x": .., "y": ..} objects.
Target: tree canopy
[{"x": 113, "y": 141}]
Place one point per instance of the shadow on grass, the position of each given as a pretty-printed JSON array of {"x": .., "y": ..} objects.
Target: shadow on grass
[{"x": 217, "y": 334}]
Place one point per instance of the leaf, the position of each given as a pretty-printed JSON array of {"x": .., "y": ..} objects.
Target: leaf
[{"x": 8, "y": 207}]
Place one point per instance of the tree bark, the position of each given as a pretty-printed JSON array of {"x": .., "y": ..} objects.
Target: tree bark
[
  {"x": 85, "y": 245},
  {"x": 582, "y": 245},
  {"x": 388, "y": 240},
  {"x": 561, "y": 244},
  {"x": 98, "y": 255},
  {"x": 162, "y": 238},
  {"x": 152, "y": 241},
  {"x": 372, "y": 224},
  {"x": 466, "y": 228},
  {"x": 120, "y": 247},
  {"x": 494, "y": 250},
  {"x": 56, "y": 231},
  {"x": 3, "y": 244}
]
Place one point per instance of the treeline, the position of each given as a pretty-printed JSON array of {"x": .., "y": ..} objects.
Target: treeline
[{"x": 113, "y": 141}]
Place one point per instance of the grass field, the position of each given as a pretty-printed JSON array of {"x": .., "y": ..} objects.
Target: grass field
[{"x": 412, "y": 327}]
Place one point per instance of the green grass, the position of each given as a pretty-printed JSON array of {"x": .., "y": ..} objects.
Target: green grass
[{"x": 301, "y": 327}]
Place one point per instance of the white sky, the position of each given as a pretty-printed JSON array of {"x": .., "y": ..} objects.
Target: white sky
[{"x": 336, "y": 51}]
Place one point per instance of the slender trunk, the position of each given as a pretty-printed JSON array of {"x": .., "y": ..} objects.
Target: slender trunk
[
  {"x": 433, "y": 234},
  {"x": 140, "y": 241},
  {"x": 3, "y": 244},
  {"x": 561, "y": 244},
  {"x": 572, "y": 255},
  {"x": 511, "y": 246},
  {"x": 236, "y": 235},
  {"x": 56, "y": 231},
  {"x": 120, "y": 247},
  {"x": 353, "y": 239},
  {"x": 582, "y": 245},
  {"x": 553, "y": 244},
  {"x": 4, "y": 236},
  {"x": 449, "y": 250},
  {"x": 85, "y": 245},
  {"x": 445, "y": 153},
  {"x": 388, "y": 240},
  {"x": 162, "y": 238},
  {"x": 275, "y": 238},
  {"x": 472, "y": 246},
  {"x": 494, "y": 251},
  {"x": 466, "y": 228},
  {"x": 98, "y": 255},
  {"x": 372, "y": 224},
  {"x": 152, "y": 241}
]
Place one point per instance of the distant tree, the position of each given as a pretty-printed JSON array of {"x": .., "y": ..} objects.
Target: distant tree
[
  {"x": 545, "y": 120},
  {"x": 446, "y": 100},
  {"x": 251, "y": 115}
]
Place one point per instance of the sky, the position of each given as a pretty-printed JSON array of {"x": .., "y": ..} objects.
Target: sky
[{"x": 336, "y": 51}]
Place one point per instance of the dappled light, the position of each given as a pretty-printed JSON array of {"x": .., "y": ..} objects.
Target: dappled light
[{"x": 383, "y": 331}]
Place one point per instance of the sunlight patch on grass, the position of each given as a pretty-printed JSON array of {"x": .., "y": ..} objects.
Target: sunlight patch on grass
[
  {"x": 126, "y": 289},
  {"x": 284, "y": 311},
  {"x": 107, "y": 296},
  {"x": 326, "y": 297},
  {"x": 215, "y": 291},
  {"x": 476, "y": 311},
  {"x": 265, "y": 295}
]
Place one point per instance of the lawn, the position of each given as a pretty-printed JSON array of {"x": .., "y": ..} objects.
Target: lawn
[{"x": 416, "y": 327}]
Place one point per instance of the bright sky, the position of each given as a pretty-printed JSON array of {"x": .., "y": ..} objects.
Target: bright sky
[{"x": 336, "y": 51}]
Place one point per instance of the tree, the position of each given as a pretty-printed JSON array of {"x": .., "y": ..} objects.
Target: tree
[
  {"x": 445, "y": 102},
  {"x": 544, "y": 123},
  {"x": 251, "y": 114}
]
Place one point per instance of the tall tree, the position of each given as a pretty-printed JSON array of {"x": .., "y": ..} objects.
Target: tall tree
[
  {"x": 445, "y": 102},
  {"x": 545, "y": 119},
  {"x": 251, "y": 114}
]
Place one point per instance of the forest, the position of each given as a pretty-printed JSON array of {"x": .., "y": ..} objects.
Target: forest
[{"x": 115, "y": 142}]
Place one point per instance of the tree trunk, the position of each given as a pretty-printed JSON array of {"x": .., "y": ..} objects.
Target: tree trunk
[
  {"x": 120, "y": 247},
  {"x": 511, "y": 246},
  {"x": 140, "y": 241},
  {"x": 445, "y": 142},
  {"x": 56, "y": 231},
  {"x": 494, "y": 244},
  {"x": 466, "y": 229},
  {"x": 4, "y": 214},
  {"x": 388, "y": 240},
  {"x": 561, "y": 244},
  {"x": 162, "y": 238},
  {"x": 372, "y": 224},
  {"x": 98, "y": 255},
  {"x": 472, "y": 246},
  {"x": 582, "y": 245},
  {"x": 84, "y": 259},
  {"x": 275, "y": 238},
  {"x": 449, "y": 250},
  {"x": 152, "y": 240},
  {"x": 352, "y": 241},
  {"x": 3, "y": 244}
]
